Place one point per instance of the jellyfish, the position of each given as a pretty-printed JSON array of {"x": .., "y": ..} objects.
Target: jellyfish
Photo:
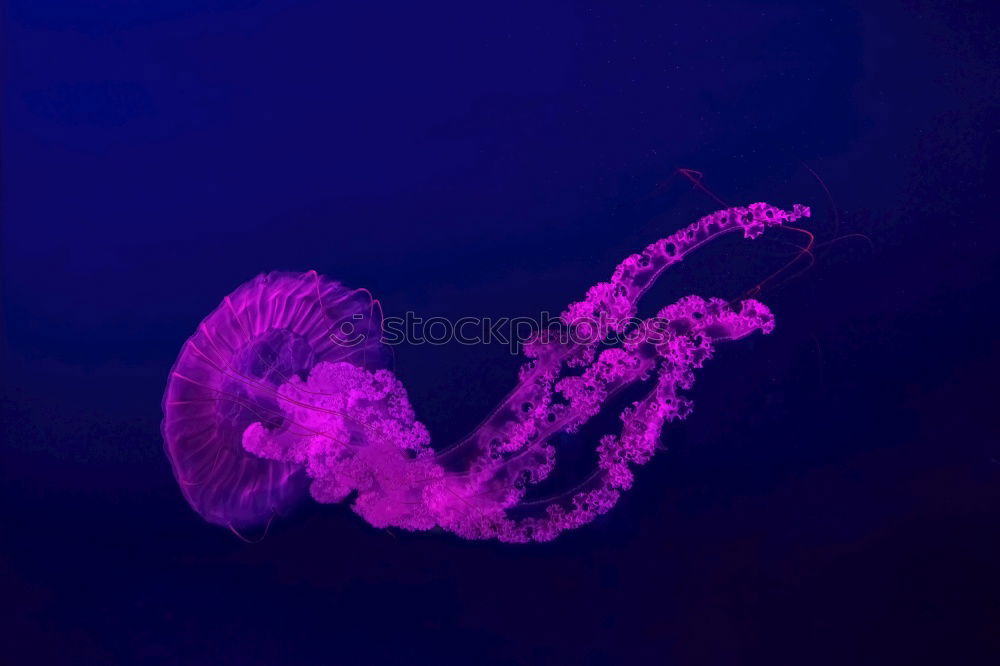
[{"x": 284, "y": 392}]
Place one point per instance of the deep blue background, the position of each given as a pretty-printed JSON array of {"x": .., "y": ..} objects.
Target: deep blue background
[{"x": 835, "y": 498}]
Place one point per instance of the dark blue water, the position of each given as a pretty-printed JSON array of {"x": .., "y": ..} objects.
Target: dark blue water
[{"x": 834, "y": 498}]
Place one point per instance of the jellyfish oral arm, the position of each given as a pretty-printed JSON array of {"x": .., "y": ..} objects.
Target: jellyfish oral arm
[
  {"x": 615, "y": 301},
  {"x": 510, "y": 449},
  {"x": 610, "y": 305}
]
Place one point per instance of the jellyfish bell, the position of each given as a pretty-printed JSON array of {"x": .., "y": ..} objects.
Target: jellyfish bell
[
  {"x": 270, "y": 400},
  {"x": 269, "y": 332}
]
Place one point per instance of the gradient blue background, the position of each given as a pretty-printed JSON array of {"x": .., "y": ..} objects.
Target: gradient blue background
[{"x": 834, "y": 498}]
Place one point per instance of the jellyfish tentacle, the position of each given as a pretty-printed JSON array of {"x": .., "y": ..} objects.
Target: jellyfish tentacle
[
  {"x": 642, "y": 422},
  {"x": 607, "y": 307},
  {"x": 613, "y": 303}
]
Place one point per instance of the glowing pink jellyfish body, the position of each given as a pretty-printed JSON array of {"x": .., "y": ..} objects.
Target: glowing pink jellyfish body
[
  {"x": 264, "y": 405},
  {"x": 228, "y": 377}
]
